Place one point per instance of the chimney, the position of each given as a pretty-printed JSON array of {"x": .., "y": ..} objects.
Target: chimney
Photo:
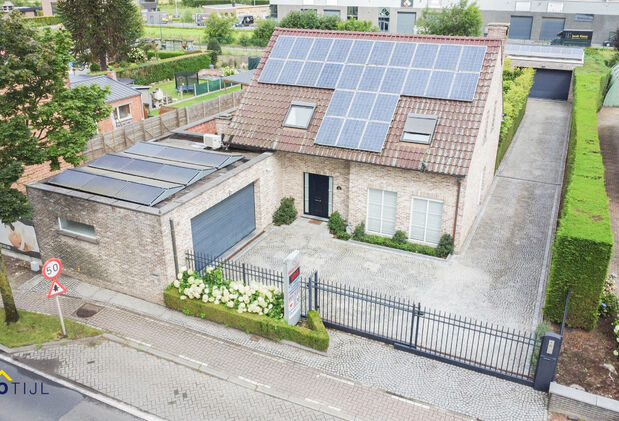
[
  {"x": 111, "y": 74},
  {"x": 498, "y": 31}
]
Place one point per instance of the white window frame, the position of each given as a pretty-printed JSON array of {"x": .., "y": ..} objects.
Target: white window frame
[
  {"x": 308, "y": 105},
  {"x": 382, "y": 201},
  {"x": 116, "y": 115},
  {"x": 67, "y": 230},
  {"x": 425, "y": 228}
]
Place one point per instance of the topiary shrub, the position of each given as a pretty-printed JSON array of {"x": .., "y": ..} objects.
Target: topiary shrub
[
  {"x": 156, "y": 71},
  {"x": 336, "y": 223},
  {"x": 445, "y": 246},
  {"x": 286, "y": 213},
  {"x": 359, "y": 232},
  {"x": 214, "y": 50},
  {"x": 399, "y": 237},
  {"x": 342, "y": 235}
]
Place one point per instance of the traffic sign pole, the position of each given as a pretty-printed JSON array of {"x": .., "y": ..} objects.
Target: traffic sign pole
[{"x": 64, "y": 331}]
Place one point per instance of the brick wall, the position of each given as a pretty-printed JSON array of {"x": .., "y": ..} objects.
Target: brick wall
[
  {"x": 137, "y": 113},
  {"x": 206, "y": 127}
]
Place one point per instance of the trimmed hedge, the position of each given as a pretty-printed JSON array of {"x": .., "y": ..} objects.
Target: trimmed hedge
[
  {"x": 315, "y": 336},
  {"x": 42, "y": 20},
  {"x": 583, "y": 243},
  {"x": 151, "y": 72}
]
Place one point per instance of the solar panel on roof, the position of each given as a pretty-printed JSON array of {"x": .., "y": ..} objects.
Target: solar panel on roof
[
  {"x": 320, "y": 49},
  {"x": 416, "y": 82},
  {"x": 448, "y": 57},
  {"x": 329, "y": 131},
  {"x": 549, "y": 51},
  {"x": 372, "y": 78},
  {"x": 381, "y": 52},
  {"x": 351, "y": 134},
  {"x": 440, "y": 84},
  {"x": 339, "y": 50},
  {"x": 425, "y": 56},
  {"x": 362, "y": 105},
  {"x": 271, "y": 71},
  {"x": 139, "y": 193},
  {"x": 360, "y": 51},
  {"x": 309, "y": 74},
  {"x": 393, "y": 80},
  {"x": 384, "y": 107},
  {"x": 301, "y": 47},
  {"x": 290, "y": 73},
  {"x": 282, "y": 47},
  {"x": 351, "y": 75},
  {"x": 464, "y": 86},
  {"x": 329, "y": 75},
  {"x": 204, "y": 158},
  {"x": 340, "y": 102},
  {"x": 403, "y": 54},
  {"x": 472, "y": 58},
  {"x": 374, "y": 137}
]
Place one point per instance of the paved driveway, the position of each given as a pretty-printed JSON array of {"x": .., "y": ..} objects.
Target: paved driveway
[{"x": 500, "y": 275}]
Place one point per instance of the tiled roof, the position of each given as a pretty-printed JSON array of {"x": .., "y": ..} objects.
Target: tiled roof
[
  {"x": 118, "y": 90},
  {"x": 258, "y": 121}
]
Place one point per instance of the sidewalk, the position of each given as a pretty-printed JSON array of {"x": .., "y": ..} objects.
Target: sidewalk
[{"x": 356, "y": 379}]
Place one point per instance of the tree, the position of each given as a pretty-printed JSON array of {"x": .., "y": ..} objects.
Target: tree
[
  {"x": 215, "y": 49},
  {"x": 187, "y": 17},
  {"x": 219, "y": 28},
  {"x": 308, "y": 19},
  {"x": 262, "y": 33},
  {"x": 357, "y": 25},
  {"x": 102, "y": 30},
  {"x": 460, "y": 19},
  {"x": 41, "y": 119}
]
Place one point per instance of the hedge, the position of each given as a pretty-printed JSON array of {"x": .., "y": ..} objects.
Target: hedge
[
  {"x": 583, "y": 243},
  {"x": 42, "y": 20},
  {"x": 156, "y": 71},
  {"x": 315, "y": 336}
]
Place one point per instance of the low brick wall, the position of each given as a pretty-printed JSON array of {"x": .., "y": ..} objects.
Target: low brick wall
[{"x": 580, "y": 404}]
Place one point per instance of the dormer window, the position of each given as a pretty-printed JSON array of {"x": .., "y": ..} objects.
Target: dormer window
[
  {"x": 419, "y": 128},
  {"x": 299, "y": 115}
]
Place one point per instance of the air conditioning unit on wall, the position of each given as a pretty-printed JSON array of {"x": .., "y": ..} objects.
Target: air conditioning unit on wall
[{"x": 212, "y": 141}]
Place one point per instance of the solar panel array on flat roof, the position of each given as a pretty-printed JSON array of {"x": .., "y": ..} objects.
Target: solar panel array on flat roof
[
  {"x": 189, "y": 156},
  {"x": 369, "y": 77},
  {"x": 545, "y": 51}
]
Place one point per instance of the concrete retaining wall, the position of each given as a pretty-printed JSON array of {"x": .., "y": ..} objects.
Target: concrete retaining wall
[{"x": 581, "y": 404}]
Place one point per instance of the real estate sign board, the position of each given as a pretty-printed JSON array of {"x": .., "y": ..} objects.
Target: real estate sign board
[{"x": 292, "y": 288}]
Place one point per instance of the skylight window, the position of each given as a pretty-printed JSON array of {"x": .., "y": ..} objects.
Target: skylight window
[
  {"x": 299, "y": 115},
  {"x": 419, "y": 128}
]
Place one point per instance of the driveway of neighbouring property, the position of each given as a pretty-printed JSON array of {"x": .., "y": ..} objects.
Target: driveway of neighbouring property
[{"x": 500, "y": 275}]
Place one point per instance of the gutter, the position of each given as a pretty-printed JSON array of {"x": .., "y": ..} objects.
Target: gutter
[{"x": 459, "y": 181}]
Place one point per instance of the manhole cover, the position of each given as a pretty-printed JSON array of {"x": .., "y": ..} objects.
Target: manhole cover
[{"x": 87, "y": 310}]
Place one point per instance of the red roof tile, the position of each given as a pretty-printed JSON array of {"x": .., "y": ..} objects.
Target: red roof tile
[{"x": 258, "y": 121}]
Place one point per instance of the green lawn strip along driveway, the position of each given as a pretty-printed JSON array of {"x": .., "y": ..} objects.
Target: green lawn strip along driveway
[
  {"x": 35, "y": 328},
  {"x": 314, "y": 337},
  {"x": 583, "y": 243}
]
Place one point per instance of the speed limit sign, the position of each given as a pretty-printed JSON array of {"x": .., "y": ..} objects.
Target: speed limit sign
[{"x": 52, "y": 268}]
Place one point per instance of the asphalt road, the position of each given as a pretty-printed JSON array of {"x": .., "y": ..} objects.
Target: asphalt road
[{"x": 45, "y": 400}]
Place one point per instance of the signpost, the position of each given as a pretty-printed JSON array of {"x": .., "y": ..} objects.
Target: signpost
[
  {"x": 51, "y": 269},
  {"x": 292, "y": 288}
]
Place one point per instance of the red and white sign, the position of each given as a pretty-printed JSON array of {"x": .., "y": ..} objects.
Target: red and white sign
[
  {"x": 52, "y": 268},
  {"x": 56, "y": 289}
]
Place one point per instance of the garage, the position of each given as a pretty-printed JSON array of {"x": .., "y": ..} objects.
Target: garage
[
  {"x": 551, "y": 84},
  {"x": 220, "y": 227}
]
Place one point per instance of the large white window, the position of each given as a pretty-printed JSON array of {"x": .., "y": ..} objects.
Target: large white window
[
  {"x": 123, "y": 112},
  {"x": 426, "y": 220},
  {"x": 381, "y": 211},
  {"x": 78, "y": 228}
]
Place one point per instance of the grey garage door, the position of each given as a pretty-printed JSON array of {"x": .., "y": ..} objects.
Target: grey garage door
[
  {"x": 406, "y": 22},
  {"x": 550, "y": 28},
  {"x": 551, "y": 84},
  {"x": 520, "y": 27},
  {"x": 220, "y": 227}
]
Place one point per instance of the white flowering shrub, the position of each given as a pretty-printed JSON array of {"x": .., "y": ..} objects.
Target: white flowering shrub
[
  {"x": 616, "y": 332},
  {"x": 211, "y": 287}
]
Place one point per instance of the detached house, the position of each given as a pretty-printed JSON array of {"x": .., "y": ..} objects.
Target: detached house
[{"x": 397, "y": 131}]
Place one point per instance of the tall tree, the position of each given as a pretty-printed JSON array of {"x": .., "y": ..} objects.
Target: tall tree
[
  {"x": 219, "y": 28},
  {"x": 102, "y": 30},
  {"x": 461, "y": 19},
  {"x": 41, "y": 118}
]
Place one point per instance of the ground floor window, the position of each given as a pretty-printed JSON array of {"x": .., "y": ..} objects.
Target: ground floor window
[
  {"x": 426, "y": 220},
  {"x": 273, "y": 8},
  {"x": 383, "y": 20},
  {"x": 381, "y": 211},
  {"x": 352, "y": 12}
]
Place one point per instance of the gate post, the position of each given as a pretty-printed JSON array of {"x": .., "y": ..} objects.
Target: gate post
[
  {"x": 547, "y": 361},
  {"x": 244, "y": 275},
  {"x": 309, "y": 293},
  {"x": 316, "y": 290}
]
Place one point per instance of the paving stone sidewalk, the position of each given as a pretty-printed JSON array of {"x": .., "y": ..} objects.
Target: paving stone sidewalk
[{"x": 352, "y": 376}]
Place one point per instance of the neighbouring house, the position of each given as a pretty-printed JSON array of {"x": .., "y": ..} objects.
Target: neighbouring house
[
  {"x": 399, "y": 132},
  {"x": 26, "y": 11},
  {"x": 126, "y": 101}
]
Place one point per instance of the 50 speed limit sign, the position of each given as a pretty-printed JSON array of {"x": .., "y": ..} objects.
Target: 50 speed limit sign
[{"x": 52, "y": 268}]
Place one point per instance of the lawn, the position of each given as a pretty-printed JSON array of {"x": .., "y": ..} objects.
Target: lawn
[
  {"x": 36, "y": 328},
  {"x": 195, "y": 34},
  {"x": 198, "y": 99}
]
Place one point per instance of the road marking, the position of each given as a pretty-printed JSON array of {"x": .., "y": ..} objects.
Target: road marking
[
  {"x": 312, "y": 401},
  {"x": 139, "y": 342},
  {"x": 334, "y": 408},
  {"x": 336, "y": 379},
  {"x": 410, "y": 402},
  {"x": 279, "y": 360},
  {"x": 193, "y": 361},
  {"x": 254, "y": 382}
]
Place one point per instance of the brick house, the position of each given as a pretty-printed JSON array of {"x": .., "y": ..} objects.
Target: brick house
[{"x": 411, "y": 151}]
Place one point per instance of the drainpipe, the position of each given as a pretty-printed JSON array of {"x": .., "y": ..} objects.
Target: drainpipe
[
  {"x": 459, "y": 181},
  {"x": 173, "y": 245}
]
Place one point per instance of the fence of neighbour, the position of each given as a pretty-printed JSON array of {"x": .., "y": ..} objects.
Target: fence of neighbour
[{"x": 499, "y": 351}]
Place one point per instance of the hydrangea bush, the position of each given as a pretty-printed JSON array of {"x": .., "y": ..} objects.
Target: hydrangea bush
[{"x": 211, "y": 287}]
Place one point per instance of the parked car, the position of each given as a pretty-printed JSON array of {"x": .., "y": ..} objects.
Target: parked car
[
  {"x": 245, "y": 20},
  {"x": 201, "y": 19},
  {"x": 610, "y": 41}
]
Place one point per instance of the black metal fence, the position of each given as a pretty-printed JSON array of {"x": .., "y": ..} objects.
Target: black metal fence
[{"x": 462, "y": 341}]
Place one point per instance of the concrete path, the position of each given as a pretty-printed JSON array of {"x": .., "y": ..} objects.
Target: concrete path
[
  {"x": 499, "y": 277},
  {"x": 361, "y": 379}
]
